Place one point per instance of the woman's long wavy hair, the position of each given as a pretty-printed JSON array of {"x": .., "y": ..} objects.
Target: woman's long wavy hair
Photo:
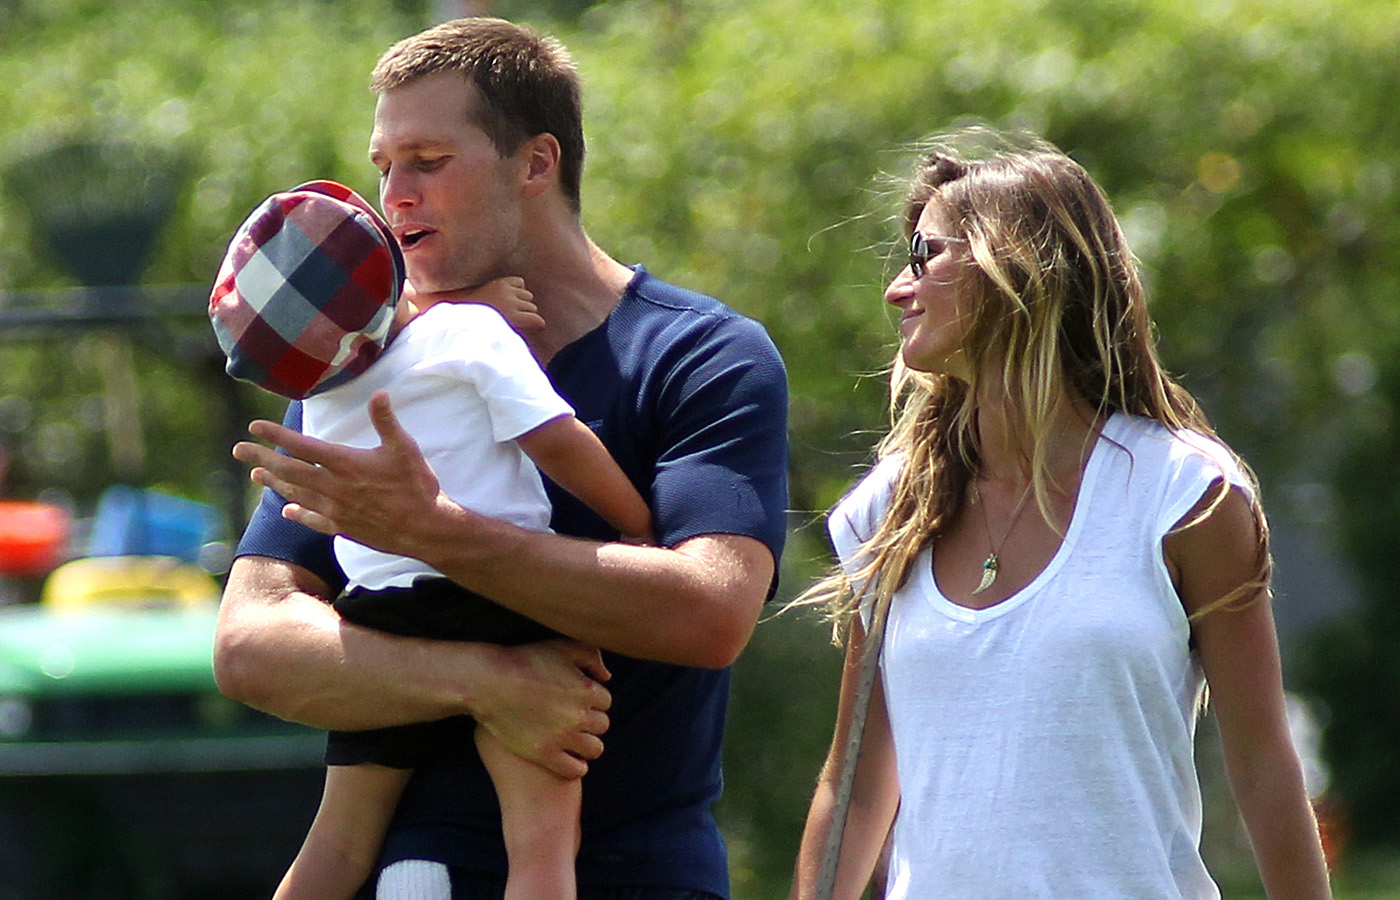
[{"x": 1055, "y": 301}]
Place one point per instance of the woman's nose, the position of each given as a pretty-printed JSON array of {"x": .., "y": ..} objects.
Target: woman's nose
[{"x": 901, "y": 288}]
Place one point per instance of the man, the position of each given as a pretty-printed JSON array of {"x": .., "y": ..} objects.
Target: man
[{"x": 478, "y": 140}]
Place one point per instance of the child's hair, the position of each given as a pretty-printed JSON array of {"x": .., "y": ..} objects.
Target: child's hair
[
  {"x": 1056, "y": 300},
  {"x": 526, "y": 84}
]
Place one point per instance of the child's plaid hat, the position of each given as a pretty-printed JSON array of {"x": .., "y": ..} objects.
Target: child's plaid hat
[{"x": 307, "y": 290}]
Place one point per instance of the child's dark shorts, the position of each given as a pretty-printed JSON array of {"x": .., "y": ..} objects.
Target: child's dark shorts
[{"x": 433, "y": 608}]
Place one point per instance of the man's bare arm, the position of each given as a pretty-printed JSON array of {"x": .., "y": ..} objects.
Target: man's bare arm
[
  {"x": 282, "y": 648},
  {"x": 693, "y": 604}
]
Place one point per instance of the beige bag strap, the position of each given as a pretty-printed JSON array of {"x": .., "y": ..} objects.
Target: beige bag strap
[{"x": 865, "y": 686}]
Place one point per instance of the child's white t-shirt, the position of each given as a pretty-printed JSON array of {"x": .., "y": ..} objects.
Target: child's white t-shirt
[{"x": 464, "y": 385}]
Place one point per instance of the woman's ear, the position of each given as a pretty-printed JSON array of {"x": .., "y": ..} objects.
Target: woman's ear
[{"x": 541, "y": 157}]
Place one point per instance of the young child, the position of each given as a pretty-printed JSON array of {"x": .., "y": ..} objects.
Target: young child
[{"x": 308, "y": 304}]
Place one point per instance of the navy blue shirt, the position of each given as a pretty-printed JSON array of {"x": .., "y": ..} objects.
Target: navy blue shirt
[{"x": 691, "y": 400}]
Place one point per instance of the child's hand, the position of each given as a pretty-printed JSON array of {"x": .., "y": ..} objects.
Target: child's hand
[{"x": 509, "y": 297}]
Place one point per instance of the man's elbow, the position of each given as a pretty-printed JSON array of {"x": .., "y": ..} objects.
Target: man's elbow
[
  {"x": 265, "y": 606},
  {"x": 728, "y": 599},
  {"x": 724, "y": 636},
  {"x": 234, "y": 672}
]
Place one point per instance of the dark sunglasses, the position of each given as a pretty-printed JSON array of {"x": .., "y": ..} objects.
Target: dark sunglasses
[{"x": 922, "y": 249}]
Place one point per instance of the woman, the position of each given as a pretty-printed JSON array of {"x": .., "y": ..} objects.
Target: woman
[{"x": 1068, "y": 555}]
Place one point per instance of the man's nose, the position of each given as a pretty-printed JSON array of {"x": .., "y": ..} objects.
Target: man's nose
[{"x": 397, "y": 190}]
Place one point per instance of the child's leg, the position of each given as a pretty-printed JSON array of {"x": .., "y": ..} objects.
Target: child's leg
[
  {"x": 539, "y": 818},
  {"x": 343, "y": 844}
]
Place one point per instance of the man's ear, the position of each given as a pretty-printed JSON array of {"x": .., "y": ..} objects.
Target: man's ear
[{"x": 541, "y": 157}]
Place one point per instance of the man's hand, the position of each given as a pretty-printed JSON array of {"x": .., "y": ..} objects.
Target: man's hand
[
  {"x": 373, "y": 496},
  {"x": 549, "y": 705},
  {"x": 281, "y": 647}
]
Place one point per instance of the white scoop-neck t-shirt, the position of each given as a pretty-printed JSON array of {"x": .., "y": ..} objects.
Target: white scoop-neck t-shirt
[{"x": 1044, "y": 744}]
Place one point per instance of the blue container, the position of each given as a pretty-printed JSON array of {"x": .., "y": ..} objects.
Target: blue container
[{"x": 134, "y": 522}]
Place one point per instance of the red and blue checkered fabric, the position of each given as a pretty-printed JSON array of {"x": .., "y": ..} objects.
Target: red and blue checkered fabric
[{"x": 307, "y": 290}]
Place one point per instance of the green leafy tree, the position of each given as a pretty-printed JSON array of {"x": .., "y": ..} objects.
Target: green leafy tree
[
  {"x": 1355, "y": 662},
  {"x": 737, "y": 146}
]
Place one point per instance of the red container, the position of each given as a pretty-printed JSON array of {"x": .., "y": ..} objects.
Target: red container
[{"x": 33, "y": 537}]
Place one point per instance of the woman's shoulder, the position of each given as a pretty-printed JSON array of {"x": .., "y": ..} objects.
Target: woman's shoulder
[
  {"x": 1174, "y": 465},
  {"x": 858, "y": 513},
  {"x": 1149, "y": 441}
]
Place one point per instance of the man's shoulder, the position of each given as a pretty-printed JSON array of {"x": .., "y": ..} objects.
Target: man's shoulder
[
  {"x": 660, "y": 311},
  {"x": 663, "y": 297},
  {"x": 662, "y": 337}
]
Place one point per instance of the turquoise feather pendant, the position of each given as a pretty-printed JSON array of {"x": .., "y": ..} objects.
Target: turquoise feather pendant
[{"x": 989, "y": 573}]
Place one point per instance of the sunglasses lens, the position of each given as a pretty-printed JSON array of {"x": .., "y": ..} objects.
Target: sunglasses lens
[{"x": 918, "y": 254}]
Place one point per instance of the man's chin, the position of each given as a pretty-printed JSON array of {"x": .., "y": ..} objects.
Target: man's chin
[
  {"x": 425, "y": 284},
  {"x": 440, "y": 289}
]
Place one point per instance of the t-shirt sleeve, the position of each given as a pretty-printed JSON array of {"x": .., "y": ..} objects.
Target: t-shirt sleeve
[
  {"x": 1195, "y": 464},
  {"x": 723, "y": 454},
  {"x": 270, "y": 535},
  {"x": 855, "y": 519},
  {"x": 501, "y": 369}
]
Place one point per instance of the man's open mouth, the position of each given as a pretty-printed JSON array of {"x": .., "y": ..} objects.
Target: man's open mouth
[{"x": 410, "y": 238}]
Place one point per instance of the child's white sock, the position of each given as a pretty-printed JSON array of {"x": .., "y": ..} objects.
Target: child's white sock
[{"x": 414, "y": 879}]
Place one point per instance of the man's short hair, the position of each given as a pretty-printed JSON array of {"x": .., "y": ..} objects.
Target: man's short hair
[{"x": 526, "y": 81}]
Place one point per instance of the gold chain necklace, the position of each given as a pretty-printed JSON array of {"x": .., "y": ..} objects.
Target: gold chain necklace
[{"x": 992, "y": 562}]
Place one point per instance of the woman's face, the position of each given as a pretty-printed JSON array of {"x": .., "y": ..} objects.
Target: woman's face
[{"x": 931, "y": 295}]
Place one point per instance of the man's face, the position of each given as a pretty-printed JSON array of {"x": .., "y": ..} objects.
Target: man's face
[{"x": 451, "y": 200}]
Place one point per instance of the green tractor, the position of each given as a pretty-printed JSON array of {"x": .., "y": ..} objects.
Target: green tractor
[{"x": 124, "y": 773}]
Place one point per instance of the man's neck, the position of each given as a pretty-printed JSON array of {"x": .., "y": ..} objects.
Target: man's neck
[{"x": 576, "y": 286}]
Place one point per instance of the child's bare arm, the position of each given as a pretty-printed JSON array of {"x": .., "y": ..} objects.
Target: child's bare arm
[{"x": 572, "y": 456}]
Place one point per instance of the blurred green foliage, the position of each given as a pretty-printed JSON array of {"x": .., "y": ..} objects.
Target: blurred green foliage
[
  {"x": 740, "y": 147},
  {"x": 1355, "y": 662}
]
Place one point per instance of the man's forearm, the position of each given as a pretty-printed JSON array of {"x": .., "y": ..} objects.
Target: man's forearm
[
  {"x": 282, "y": 649},
  {"x": 694, "y": 604}
]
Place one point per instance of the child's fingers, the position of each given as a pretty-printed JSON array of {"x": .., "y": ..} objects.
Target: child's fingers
[{"x": 527, "y": 322}]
